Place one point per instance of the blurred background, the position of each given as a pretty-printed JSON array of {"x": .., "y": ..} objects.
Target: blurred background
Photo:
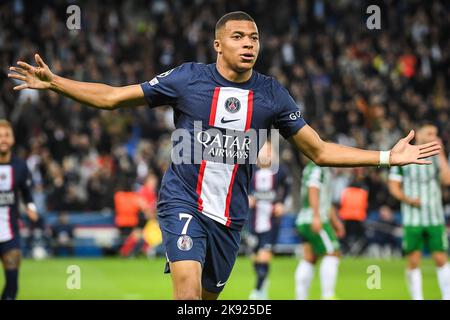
[{"x": 96, "y": 173}]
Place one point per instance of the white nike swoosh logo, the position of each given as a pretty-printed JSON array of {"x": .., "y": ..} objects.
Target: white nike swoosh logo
[{"x": 219, "y": 284}]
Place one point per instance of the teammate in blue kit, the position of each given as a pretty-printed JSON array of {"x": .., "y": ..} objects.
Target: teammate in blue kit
[
  {"x": 268, "y": 191},
  {"x": 15, "y": 179},
  {"x": 204, "y": 204}
]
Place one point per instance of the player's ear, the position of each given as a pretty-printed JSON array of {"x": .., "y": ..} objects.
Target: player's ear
[{"x": 217, "y": 46}]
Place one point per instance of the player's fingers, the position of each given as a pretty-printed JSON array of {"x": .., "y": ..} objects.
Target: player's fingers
[
  {"x": 20, "y": 87},
  {"x": 39, "y": 60},
  {"x": 410, "y": 136},
  {"x": 25, "y": 65},
  {"x": 428, "y": 154},
  {"x": 17, "y": 76},
  {"x": 422, "y": 162},
  {"x": 430, "y": 149},
  {"x": 428, "y": 145},
  {"x": 18, "y": 70}
]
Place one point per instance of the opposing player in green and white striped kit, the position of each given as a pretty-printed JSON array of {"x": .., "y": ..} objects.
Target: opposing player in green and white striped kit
[
  {"x": 419, "y": 190},
  {"x": 317, "y": 223}
]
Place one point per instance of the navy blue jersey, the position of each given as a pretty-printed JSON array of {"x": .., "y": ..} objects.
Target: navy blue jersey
[
  {"x": 268, "y": 188},
  {"x": 15, "y": 179},
  {"x": 199, "y": 94}
]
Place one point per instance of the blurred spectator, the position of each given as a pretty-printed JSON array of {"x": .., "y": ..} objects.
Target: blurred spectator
[
  {"x": 62, "y": 233},
  {"x": 148, "y": 191},
  {"x": 132, "y": 211},
  {"x": 353, "y": 213},
  {"x": 127, "y": 204},
  {"x": 150, "y": 230}
]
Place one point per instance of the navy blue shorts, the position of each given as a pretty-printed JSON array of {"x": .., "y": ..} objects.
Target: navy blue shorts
[
  {"x": 265, "y": 240},
  {"x": 9, "y": 245},
  {"x": 191, "y": 235}
]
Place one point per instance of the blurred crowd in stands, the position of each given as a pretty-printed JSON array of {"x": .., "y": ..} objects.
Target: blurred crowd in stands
[{"x": 359, "y": 87}]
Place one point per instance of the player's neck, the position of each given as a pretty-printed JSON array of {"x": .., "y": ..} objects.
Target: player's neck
[
  {"x": 5, "y": 157},
  {"x": 231, "y": 75}
]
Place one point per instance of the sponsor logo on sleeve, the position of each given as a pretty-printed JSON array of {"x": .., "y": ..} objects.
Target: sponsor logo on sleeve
[
  {"x": 153, "y": 81},
  {"x": 295, "y": 115}
]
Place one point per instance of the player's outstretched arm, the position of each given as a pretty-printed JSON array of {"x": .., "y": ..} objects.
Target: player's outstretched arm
[
  {"x": 334, "y": 155},
  {"x": 96, "y": 95}
]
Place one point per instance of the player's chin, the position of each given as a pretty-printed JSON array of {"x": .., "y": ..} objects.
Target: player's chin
[{"x": 243, "y": 66}]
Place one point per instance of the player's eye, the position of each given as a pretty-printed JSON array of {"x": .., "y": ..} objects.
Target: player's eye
[
  {"x": 255, "y": 38},
  {"x": 236, "y": 36}
]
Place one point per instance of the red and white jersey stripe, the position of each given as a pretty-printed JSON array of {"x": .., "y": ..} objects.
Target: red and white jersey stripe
[{"x": 215, "y": 179}]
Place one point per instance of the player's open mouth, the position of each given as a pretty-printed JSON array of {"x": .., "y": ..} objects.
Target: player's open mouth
[{"x": 247, "y": 56}]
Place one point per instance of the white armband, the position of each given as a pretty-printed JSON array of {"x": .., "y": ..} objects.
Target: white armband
[{"x": 385, "y": 157}]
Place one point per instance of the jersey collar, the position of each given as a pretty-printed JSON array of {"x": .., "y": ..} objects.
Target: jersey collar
[{"x": 245, "y": 85}]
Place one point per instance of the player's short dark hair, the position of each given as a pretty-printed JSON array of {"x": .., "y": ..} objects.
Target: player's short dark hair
[{"x": 232, "y": 16}]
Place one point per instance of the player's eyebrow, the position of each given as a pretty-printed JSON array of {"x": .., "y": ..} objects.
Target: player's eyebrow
[{"x": 242, "y": 33}]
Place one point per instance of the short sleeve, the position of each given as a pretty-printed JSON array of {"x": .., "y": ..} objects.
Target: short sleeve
[
  {"x": 167, "y": 87},
  {"x": 289, "y": 118},
  {"x": 396, "y": 173}
]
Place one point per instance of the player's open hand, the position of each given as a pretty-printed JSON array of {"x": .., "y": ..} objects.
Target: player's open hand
[
  {"x": 405, "y": 153},
  {"x": 33, "y": 77}
]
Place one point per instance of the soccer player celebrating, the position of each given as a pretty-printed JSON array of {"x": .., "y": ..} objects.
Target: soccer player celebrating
[
  {"x": 269, "y": 189},
  {"x": 14, "y": 179},
  {"x": 418, "y": 188},
  {"x": 318, "y": 224},
  {"x": 203, "y": 205}
]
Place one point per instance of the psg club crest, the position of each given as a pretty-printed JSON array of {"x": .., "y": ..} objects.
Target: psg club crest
[
  {"x": 184, "y": 243},
  {"x": 232, "y": 105}
]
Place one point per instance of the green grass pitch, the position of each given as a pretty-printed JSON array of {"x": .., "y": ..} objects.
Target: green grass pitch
[{"x": 115, "y": 278}]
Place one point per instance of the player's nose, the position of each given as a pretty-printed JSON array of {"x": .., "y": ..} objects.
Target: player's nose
[
  {"x": 248, "y": 43},
  {"x": 248, "y": 47}
]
